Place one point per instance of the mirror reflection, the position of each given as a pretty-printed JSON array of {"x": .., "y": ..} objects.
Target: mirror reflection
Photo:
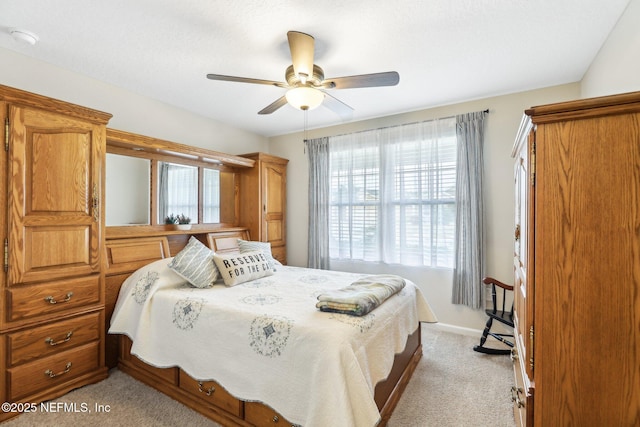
[
  {"x": 129, "y": 196},
  {"x": 210, "y": 196},
  {"x": 177, "y": 191},
  {"x": 127, "y": 190}
]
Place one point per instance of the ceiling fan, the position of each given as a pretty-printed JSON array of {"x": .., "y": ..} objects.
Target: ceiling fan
[{"x": 306, "y": 83}]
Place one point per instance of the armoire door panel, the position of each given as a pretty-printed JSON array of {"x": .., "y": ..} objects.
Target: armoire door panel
[
  {"x": 276, "y": 181},
  {"x": 55, "y": 188},
  {"x": 50, "y": 247},
  {"x": 275, "y": 193},
  {"x": 275, "y": 231},
  {"x": 57, "y": 167}
]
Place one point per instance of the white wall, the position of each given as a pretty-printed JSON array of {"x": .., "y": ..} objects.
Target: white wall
[
  {"x": 616, "y": 68},
  {"x": 127, "y": 190},
  {"x": 131, "y": 112},
  {"x": 505, "y": 113}
]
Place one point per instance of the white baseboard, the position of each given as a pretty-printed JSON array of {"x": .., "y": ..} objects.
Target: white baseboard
[{"x": 457, "y": 329}]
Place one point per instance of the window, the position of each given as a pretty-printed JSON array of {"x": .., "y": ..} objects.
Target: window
[
  {"x": 210, "y": 196},
  {"x": 177, "y": 191},
  {"x": 393, "y": 194}
]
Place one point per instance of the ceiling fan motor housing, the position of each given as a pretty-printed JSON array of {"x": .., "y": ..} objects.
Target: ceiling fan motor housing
[{"x": 294, "y": 80}]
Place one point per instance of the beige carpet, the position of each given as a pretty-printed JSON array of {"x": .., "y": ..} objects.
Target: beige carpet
[{"x": 452, "y": 386}]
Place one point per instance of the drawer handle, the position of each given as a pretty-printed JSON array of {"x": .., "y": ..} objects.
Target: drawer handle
[
  {"x": 51, "y": 300},
  {"x": 208, "y": 391},
  {"x": 51, "y": 342},
  {"x": 52, "y": 374},
  {"x": 275, "y": 419}
]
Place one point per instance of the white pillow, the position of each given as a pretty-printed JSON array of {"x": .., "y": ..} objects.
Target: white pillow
[
  {"x": 240, "y": 268},
  {"x": 265, "y": 247},
  {"x": 195, "y": 263}
]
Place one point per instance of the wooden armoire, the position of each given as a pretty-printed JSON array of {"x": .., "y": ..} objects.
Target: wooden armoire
[
  {"x": 577, "y": 264},
  {"x": 263, "y": 201},
  {"x": 52, "y": 285}
]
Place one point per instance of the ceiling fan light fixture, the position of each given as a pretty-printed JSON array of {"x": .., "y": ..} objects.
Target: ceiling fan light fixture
[{"x": 304, "y": 97}]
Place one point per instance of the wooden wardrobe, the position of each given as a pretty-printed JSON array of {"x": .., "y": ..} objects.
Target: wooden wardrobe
[
  {"x": 263, "y": 202},
  {"x": 52, "y": 286},
  {"x": 577, "y": 264}
]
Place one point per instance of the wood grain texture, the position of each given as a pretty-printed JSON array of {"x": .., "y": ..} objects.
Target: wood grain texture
[
  {"x": 211, "y": 392},
  {"x": 263, "y": 201},
  {"x": 52, "y": 186},
  {"x": 31, "y": 301},
  {"x": 129, "y": 141},
  {"x": 30, "y": 377},
  {"x": 27, "y": 99},
  {"x": 588, "y": 187},
  {"x": 34, "y": 343},
  {"x": 584, "y": 289},
  {"x": 55, "y": 174}
]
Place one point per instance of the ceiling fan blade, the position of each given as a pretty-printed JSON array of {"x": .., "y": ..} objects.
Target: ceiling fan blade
[
  {"x": 390, "y": 78},
  {"x": 245, "y": 80},
  {"x": 340, "y": 108},
  {"x": 302, "y": 47},
  {"x": 273, "y": 106}
]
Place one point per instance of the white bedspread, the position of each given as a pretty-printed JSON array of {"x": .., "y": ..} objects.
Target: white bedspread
[{"x": 266, "y": 341}]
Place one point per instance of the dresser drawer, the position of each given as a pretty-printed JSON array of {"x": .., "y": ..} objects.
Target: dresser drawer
[
  {"x": 521, "y": 394},
  {"x": 51, "y": 371},
  {"x": 167, "y": 374},
  {"x": 52, "y": 338},
  {"x": 25, "y": 302},
  {"x": 260, "y": 414},
  {"x": 211, "y": 392}
]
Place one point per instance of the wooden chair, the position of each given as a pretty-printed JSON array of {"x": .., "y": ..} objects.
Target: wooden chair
[{"x": 503, "y": 316}]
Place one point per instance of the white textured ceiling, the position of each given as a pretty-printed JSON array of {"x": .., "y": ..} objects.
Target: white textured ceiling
[{"x": 445, "y": 51}]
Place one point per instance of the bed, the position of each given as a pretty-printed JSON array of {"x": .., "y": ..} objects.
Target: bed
[{"x": 260, "y": 352}]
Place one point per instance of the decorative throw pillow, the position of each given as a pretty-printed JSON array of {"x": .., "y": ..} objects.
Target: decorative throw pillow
[
  {"x": 195, "y": 263},
  {"x": 265, "y": 247},
  {"x": 240, "y": 268}
]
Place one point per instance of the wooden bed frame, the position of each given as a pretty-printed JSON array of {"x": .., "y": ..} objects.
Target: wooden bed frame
[{"x": 125, "y": 254}]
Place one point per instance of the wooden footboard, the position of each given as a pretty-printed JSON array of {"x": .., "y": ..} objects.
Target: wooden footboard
[
  {"x": 211, "y": 399},
  {"x": 388, "y": 392}
]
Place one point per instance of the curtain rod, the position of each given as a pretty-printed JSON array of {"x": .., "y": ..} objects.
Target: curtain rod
[{"x": 486, "y": 111}]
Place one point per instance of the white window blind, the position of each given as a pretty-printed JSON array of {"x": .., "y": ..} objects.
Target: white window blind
[
  {"x": 393, "y": 194},
  {"x": 210, "y": 196}
]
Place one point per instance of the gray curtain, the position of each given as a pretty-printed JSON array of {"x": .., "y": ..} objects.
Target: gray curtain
[
  {"x": 469, "y": 242},
  {"x": 163, "y": 191},
  {"x": 319, "y": 194}
]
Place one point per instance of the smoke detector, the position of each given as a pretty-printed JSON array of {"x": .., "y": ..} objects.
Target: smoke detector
[{"x": 23, "y": 36}]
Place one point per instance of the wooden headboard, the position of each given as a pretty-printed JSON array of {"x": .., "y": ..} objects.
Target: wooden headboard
[{"x": 126, "y": 254}]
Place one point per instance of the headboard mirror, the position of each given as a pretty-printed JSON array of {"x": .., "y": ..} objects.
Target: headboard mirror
[
  {"x": 127, "y": 184},
  {"x": 148, "y": 179}
]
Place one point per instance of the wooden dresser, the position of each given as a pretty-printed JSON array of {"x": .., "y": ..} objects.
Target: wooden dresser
[
  {"x": 263, "y": 202},
  {"x": 577, "y": 264},
  {"x": 52, "y": 216}
]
